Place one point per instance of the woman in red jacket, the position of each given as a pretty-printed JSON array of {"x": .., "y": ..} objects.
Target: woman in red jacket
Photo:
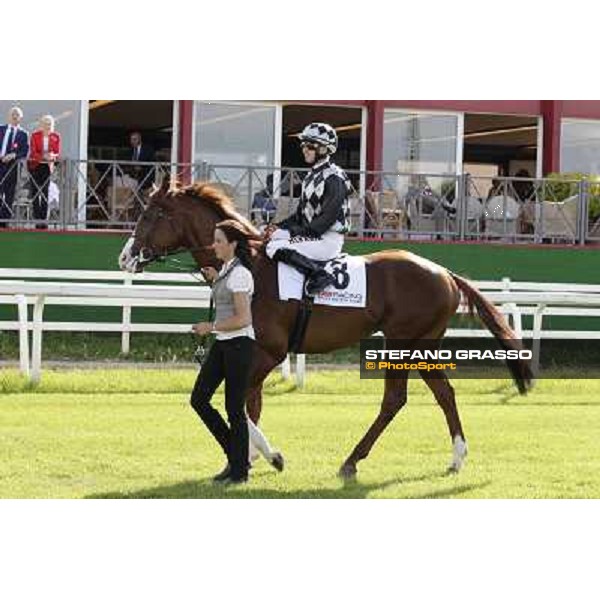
[{"x": 44, "y": 149}]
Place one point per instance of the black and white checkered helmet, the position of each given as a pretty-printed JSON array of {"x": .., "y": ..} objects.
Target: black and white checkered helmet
[{"x": 320, "y": 133}]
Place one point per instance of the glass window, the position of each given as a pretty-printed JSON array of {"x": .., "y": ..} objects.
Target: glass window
[
  {"x": 422, "y": 147},
  {"x": 419, "y": 143},
  {"x": 234, "y": 134},
  {"x": 66, "y": 113},
  {"x": 580, "y": 146}
]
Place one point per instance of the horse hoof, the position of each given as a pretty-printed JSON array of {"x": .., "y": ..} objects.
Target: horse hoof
[
  {"x": 277, "y": 461},
  {"x": 456, "y": 465},
  {"x": 347, "y": 472}
]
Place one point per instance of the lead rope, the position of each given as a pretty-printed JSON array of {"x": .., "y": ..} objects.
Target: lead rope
[{"x": 202, "y": 346}]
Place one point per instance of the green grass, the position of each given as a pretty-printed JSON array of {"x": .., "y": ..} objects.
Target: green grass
[{"x": 132, "y": 434}]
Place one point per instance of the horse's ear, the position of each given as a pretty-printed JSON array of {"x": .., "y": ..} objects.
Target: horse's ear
[
  {"x": 173, "y": 184},
  {"x": 167, "y": 186},
  {"x": 154, "y": 192}
]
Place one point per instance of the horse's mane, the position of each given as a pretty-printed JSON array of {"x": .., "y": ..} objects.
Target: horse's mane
[{"x": 223, "y": 204}]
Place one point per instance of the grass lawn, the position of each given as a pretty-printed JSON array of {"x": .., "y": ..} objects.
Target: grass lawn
[{"x": 122, "y": 433}]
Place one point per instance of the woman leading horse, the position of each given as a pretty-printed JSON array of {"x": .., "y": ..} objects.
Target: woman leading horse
[
  {"x": 408, "y": 298},
  {"x": 230, "y": 356}
]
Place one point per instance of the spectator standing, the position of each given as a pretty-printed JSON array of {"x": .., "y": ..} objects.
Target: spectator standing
[
  {"x": 14, "y": 146},
  {"x": 45, "y": 150},
  {"x": 141, "y": 152}
]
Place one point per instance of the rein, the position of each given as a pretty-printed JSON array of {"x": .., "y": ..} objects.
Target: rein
[{"x": 179, "y": 265}]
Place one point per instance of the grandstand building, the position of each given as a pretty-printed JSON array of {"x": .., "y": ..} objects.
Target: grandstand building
[{"x": 481, "y": 137}]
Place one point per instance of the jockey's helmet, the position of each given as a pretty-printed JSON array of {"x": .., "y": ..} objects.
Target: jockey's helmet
[{"x": 322, "y": 135}]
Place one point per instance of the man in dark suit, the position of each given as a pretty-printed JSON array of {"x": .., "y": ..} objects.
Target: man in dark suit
[
  {"x": 142, "y": 153},
  {"x": 14, "y": 147}
]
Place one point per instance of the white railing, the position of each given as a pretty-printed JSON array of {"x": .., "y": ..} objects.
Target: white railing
[
  {"x": 126, "y": 291},
  {"x": 17, "y": 288},
  {"x": 98, "y": 294},
  {"x": 128, "y": 279}
]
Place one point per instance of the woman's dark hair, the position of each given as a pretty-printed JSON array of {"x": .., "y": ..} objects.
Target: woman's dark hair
[{"x": 235, "y": 231}]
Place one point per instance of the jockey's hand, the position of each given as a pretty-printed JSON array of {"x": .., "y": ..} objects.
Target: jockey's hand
[
  {"x": 269, "y": 230},
  {"x": 298, "y": 230},
  {"x": 203, "y": 328},
  {"x": 210, "y": 273}
]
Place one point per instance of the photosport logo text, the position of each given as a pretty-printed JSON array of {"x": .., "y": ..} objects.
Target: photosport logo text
[
  {"x": 431, "y": 360},
  {"x": 480, "y": 357}
]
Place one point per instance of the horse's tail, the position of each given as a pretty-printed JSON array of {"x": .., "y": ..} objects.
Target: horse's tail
[{"x": 498, "y": 325}]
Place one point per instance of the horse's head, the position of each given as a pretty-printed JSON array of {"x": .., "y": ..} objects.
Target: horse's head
[
  {"x": 178, "y": 220},
  {"x": 158, "y": 232}
]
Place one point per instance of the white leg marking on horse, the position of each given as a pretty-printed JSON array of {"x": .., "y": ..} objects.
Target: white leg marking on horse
[
  {"x": 459, "y": 453},
  {"x": 125, "y": 258},
  {"x": 259, "y": 444}
]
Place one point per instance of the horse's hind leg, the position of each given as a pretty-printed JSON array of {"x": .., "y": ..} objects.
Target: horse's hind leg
[
  {"x": 444, "y": 394},
  {"x": 394, "y": 399},
  {"x": 263, "y": 364}
]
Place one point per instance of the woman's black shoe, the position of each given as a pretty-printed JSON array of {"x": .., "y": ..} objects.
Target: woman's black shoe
[
  {"x": 235, "y": 479},
  {"x": 224, "y": 474}
]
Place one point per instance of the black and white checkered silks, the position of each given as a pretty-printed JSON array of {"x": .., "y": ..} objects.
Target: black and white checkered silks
[
  {"x": 313, "y": 187},
  {"x": 330, "y": 244}
]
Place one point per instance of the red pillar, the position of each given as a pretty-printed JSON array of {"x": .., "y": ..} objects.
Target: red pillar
[
  {"x": 551, "y": 113},
  {"x": 374, "y": 138},
  {"x": 184, "y": 151}
]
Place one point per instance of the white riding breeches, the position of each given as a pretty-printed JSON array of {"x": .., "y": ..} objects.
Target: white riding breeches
[{"x": 328, "y": 246}]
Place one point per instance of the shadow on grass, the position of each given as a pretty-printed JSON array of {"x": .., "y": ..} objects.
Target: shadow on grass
[
  {"x": 451, "y": 492},
  {"x": 206, "y": 489}
]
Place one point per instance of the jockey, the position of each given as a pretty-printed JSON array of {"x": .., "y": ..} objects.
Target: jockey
[{"x": 315, "y": 232}]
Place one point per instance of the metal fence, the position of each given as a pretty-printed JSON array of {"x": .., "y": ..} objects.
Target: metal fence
[{"x": 99, "y": 194}]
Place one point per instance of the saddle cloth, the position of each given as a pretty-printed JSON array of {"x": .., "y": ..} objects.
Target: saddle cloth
[{"x": 350, "y": 289}]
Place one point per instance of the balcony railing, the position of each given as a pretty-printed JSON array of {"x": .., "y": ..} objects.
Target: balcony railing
[{"x": 99, "y": 194}]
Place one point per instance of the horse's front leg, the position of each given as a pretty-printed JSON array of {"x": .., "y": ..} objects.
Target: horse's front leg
[
  {"x": 394, "y": 399},
  {"x": 263, "y": 363}
]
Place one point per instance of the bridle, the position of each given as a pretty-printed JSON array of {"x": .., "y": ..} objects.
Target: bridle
[{"x": 165, "y": 255}]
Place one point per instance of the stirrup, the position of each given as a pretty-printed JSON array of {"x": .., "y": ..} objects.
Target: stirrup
[
  {"x": 317, "y": 282},
  {"x": 306, "y": 291}
]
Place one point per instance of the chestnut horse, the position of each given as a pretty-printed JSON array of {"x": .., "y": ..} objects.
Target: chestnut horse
[{"x": 408, "y": 298}]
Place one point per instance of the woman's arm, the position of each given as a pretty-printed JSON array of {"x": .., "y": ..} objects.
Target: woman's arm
[
  {"x": 55, "y": 151},
  {"x": 35, "y": 152}
]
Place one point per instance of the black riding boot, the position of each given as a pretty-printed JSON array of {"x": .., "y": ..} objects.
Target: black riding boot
[{"x": 317, "y": 278}]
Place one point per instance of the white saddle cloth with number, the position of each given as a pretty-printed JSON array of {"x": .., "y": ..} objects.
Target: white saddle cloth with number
[{"x": 350, "y": 288}]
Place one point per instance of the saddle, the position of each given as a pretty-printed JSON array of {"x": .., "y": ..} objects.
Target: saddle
[{"x": 346, "y": 288}]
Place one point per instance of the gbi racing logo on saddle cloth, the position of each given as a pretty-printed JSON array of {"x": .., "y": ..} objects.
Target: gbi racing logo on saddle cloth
[{"x": 349, "y": 288}]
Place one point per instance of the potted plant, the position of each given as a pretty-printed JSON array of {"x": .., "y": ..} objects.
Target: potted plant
[{"x": 565, "y": 185}]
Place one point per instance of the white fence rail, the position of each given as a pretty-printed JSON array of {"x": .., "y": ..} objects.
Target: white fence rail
[{"x": 18, "y": 287}]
